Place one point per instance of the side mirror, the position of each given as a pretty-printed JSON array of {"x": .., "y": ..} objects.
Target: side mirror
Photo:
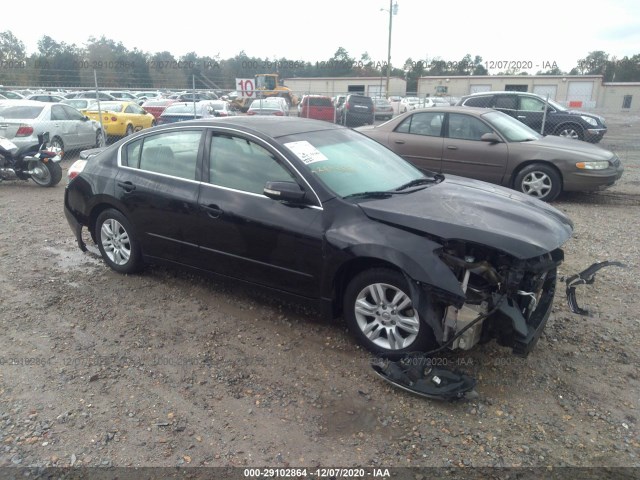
[
  {"x": 491, "y": 138},
  {"x": 285, "y": 191}
]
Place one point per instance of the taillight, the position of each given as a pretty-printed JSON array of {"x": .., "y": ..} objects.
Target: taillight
[
  {"x": 280, "y": 114},
  {"x": 251, "y": 113},
  {"x": 346, "y": 105},
  {"x": 24, "y": 131},
  {"x": 76, "y": 169}
]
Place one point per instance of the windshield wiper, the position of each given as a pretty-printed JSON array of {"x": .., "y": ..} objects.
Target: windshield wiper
[
  {"x": 437, "y": 178},
  {"x": 372, "y": 194}
]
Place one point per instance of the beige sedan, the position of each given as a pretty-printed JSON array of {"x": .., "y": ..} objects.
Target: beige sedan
[{"x": 492, "y": 146}]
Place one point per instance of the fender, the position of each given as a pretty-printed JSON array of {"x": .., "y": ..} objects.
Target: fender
[{"x": 413, "y": 254}]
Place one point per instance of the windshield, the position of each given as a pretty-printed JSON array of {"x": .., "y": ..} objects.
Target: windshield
[
  {"x": 510, "y": 128},
  {"x": 347, "y": 162}
]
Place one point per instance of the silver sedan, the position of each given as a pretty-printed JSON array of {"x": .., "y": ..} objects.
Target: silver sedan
[{"x": 22, "y": 120}]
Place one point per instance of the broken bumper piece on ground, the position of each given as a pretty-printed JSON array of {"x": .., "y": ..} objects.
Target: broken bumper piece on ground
[{"x": 412, "y": 374}]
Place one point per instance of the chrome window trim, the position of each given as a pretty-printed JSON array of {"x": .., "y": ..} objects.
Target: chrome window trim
[{"x": 216, "y": 128}]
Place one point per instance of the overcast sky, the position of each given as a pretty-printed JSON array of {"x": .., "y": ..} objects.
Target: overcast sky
[{"x": 539, "y": 33}]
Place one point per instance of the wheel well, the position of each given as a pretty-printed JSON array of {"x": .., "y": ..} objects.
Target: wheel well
[
  {"x": 347, "y": 272},
  {"x": 531, "y": 162},
  {"x": 95, "y": 213}
]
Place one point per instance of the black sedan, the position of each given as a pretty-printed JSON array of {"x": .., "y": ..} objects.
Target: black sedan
[{"x": 326, "y": 215}]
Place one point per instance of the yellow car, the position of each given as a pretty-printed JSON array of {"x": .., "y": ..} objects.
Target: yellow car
[{"x": 121, "y": 118}]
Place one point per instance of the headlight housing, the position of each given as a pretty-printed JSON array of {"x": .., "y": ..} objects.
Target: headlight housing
[
  {"x": 589, "y": 120},
  {"x": 592, "y": 165}
]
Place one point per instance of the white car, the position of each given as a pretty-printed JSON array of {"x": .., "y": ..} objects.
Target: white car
[{"x": 408, "y": 103}]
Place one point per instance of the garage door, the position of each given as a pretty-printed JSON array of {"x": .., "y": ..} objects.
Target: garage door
[
  {"x": 479, "y": 88},
  {"x": 579, "y": 94},
  {"x": 544, "y": 90}
]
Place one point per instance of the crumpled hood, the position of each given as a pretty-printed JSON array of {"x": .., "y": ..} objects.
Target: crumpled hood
[{"x": 475, "y": 211}]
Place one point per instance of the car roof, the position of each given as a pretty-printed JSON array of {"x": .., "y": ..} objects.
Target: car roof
[
  {"x": 502, "y": 92},
  {"x": 271, "y": 126}
]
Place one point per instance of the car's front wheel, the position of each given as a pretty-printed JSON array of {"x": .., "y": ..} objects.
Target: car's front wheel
[
  {"x": 571, "y": 131},
  {"x": 380, "y": 314},
  {"x": 540, "y": 181},
  {"x": 117, "y": 242}
]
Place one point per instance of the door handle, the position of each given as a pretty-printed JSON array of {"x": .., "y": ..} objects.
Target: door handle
[
  {"x": 452, "y": 147},
  {"x": 399, "y": 142},
  {"x": 522, "y": 116},
  {"x": 127, "y": 186},
  {"x": 213, "y": 210}
]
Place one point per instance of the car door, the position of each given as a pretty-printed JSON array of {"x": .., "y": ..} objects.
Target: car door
[
  {"x": 137, "y": 116},
  {"x": 63, "y": 127},
  {"x": 507, "y": 104},
  {"x": 83, "y": 128},
  {"x": 158, "y": 184},
  {"x": 418, "y": 139},
  {"x": 465, "y": 154},
  {"x": 245, "y": 234}
]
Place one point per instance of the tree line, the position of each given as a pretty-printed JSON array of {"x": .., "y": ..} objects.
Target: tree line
[{"x": 111, "y": 65}]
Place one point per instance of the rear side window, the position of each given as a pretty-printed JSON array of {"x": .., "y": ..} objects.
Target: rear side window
[
  {"x": 173, "y": 153},
  {"x": 508, "y": 102},
  {"x": 482, "y": 102},
  {"x": 423, "y": 123}
]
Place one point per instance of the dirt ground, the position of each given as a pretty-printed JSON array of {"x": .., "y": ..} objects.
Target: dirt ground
[{"x": 168, "y": 368}]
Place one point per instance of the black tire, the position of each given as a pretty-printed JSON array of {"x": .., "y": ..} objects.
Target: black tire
[
  {"x": 117, "y": 242},
  {"x": 377, "y": 324},
  {"x": 100, "y": 140},
  {"x": 48, "y": 174},
  {"x": 540, "y": 181},
  {"x": 570, "y": 130},
  {"x": 57, "y": 142}
]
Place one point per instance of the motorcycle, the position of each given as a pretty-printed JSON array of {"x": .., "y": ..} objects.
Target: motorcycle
[{"x": 37, "y": 162}]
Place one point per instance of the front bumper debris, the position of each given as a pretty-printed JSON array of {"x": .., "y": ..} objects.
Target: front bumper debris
[
  {"x": 586, "y": 277},
  {"x": 415, "y": 374}
]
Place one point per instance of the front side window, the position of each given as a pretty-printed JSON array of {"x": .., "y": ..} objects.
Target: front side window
[
  {"x": 171, "y": 153},
  {"x": 466, "y": 127},
  {"x": 530, "y": 104},
  {"x": 237, "y": 163}
]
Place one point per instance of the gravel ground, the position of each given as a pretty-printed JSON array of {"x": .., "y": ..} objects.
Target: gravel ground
[{"x": 168, "y": 368}]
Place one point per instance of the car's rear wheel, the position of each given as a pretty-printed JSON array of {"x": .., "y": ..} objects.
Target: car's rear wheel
[
  {"x": 571, "y": 130},
  {"x": 540, "y": 181},
  {"x": 117, "y": 242},
  {"x": 57, "y": 142},
  {"x": 380, "y": 314}
]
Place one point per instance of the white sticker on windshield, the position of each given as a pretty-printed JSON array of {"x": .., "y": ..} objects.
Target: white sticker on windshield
[{"x": 306, "y": 152}]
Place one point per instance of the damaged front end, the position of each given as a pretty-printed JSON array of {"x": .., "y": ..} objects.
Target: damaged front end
[{"x": 505, "y": 298}]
